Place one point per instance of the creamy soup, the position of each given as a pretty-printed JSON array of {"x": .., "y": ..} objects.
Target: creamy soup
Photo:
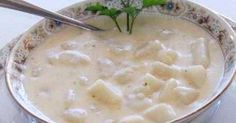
[{"x": 164, "y": 70}]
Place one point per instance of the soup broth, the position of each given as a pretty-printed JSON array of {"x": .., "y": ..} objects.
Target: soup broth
[{"x": 164, "y": 70}]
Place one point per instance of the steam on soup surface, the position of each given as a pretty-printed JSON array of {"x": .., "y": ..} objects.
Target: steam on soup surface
[{"x": 164, "y": 70}]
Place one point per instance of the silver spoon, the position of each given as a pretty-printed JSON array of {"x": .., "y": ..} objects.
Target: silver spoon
[{"x": 24, "y": 6}]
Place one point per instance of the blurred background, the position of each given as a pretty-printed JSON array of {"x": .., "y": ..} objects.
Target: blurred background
[{"x": 13, "y": 23}]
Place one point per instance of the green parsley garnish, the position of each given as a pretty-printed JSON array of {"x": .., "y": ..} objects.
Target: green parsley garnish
[{"x": 129, "y": 8}]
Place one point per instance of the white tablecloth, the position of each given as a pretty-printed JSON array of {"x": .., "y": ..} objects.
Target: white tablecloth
[{"x": 13, "y": 23}]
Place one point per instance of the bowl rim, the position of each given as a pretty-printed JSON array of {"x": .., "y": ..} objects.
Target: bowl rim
[{"x": 194, "y": 113}]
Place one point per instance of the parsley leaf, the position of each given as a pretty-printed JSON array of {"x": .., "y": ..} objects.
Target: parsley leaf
[
  {"x": 96, "y": 8},
  {"x": 149, "y": 3},
  {"x": 133, "y": 12},
  {"x": 128, "y": 8},
  {"x": 113, "y": 13},
  {"x": 103, "y": 10}
]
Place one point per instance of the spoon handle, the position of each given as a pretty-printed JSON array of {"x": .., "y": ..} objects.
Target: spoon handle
[{"x": 24, "y": 6}]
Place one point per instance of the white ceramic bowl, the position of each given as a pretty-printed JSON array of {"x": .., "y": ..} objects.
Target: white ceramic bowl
[{"x": 181, "y": 9}]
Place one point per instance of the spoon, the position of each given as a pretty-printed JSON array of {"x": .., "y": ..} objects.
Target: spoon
[{"x": 24, "y": 6}]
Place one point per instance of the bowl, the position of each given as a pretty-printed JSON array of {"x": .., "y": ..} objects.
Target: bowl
[{"x": 201, "y": 16}]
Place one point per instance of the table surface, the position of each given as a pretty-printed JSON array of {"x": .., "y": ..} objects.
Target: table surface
[{"x": 13, "y": 23}]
